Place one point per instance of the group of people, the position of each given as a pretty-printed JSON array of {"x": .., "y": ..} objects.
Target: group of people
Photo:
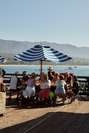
[
  {"x": 66, "y": 84},
  {"x": 46, "y": 86}
]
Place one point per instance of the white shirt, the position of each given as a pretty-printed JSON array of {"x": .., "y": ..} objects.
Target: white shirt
[{"x": 45, "y": 85}]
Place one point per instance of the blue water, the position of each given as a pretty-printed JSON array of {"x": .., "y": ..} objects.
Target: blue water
[{"x": 79, "y": 70}]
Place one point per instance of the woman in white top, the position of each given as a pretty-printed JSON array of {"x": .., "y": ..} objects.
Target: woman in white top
[
  {"x": 44, "y": 86},
  {"x": 30, "y": 89}
]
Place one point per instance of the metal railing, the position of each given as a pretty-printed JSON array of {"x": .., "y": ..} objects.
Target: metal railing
[{"x": 83, "y": 85}]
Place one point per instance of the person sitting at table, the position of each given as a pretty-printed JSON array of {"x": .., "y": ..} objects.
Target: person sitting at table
[
  {"x": 60, "y": 87},
  {"x": 24, "y": 76},
  {"x": 44, "y": 86},
  {"x": 30, "y": 89},
  {"x": 52, "y": 94}
]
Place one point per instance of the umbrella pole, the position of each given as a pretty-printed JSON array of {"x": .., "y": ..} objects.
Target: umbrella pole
[{"x": 40, "y": 67}]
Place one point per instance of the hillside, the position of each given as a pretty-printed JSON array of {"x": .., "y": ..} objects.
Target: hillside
[{"x": 10, "y": 48}]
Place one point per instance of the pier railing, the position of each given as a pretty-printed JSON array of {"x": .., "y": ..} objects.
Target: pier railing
[
  {"x": 7, "y": 78},
  {"x": 83, "y": 85}
]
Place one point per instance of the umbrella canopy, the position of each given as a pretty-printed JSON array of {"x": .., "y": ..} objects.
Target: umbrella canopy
[
  {"x": 42, "y": 52},
  {"x": 2, "y": 59}
]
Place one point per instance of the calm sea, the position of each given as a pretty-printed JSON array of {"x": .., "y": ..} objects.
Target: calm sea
[{"x": 78, "y": 70}]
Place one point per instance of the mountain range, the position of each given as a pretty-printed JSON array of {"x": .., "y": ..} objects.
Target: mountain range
[{"x": 9, "y": 48}]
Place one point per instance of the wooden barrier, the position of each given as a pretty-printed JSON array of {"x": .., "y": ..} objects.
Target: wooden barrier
[{"x": 2, "y": 102}]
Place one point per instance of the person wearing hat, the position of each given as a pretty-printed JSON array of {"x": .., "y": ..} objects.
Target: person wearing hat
[{"x": 50, "y": 73}]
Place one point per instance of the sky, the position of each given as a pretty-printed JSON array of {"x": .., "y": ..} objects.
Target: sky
[{"x": 60, "y": 21}]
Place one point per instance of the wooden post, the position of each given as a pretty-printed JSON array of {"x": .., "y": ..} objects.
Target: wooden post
[{"x": 2, "y": 102}]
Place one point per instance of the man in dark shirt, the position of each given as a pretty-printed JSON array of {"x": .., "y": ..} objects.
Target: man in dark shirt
[
  {"x": 50, "y": 73},
  {"x": 25, "y": 76}
]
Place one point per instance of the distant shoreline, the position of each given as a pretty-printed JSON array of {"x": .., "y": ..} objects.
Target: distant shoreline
[
  {"x": 23, "y": 65},
  {"x": 2, "y": 65}
]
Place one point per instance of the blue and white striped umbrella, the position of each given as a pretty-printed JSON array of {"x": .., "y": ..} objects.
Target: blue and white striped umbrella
[
  {"x": 42, "y": 52},
  {"x": 2, "y": 59},
  {"x": 39, "y": 52}
]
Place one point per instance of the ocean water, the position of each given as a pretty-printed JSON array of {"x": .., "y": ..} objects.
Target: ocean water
[{"x": 77, "y": 70}]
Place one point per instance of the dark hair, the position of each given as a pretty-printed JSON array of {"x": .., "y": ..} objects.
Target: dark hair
[{"x": 61, "y": 77}]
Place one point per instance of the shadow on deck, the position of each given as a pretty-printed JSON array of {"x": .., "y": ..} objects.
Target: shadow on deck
[{"x": 62, "y": 122}]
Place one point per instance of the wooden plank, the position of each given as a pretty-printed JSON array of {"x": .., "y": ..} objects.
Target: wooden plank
[{"x": 2, "y": 102}]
